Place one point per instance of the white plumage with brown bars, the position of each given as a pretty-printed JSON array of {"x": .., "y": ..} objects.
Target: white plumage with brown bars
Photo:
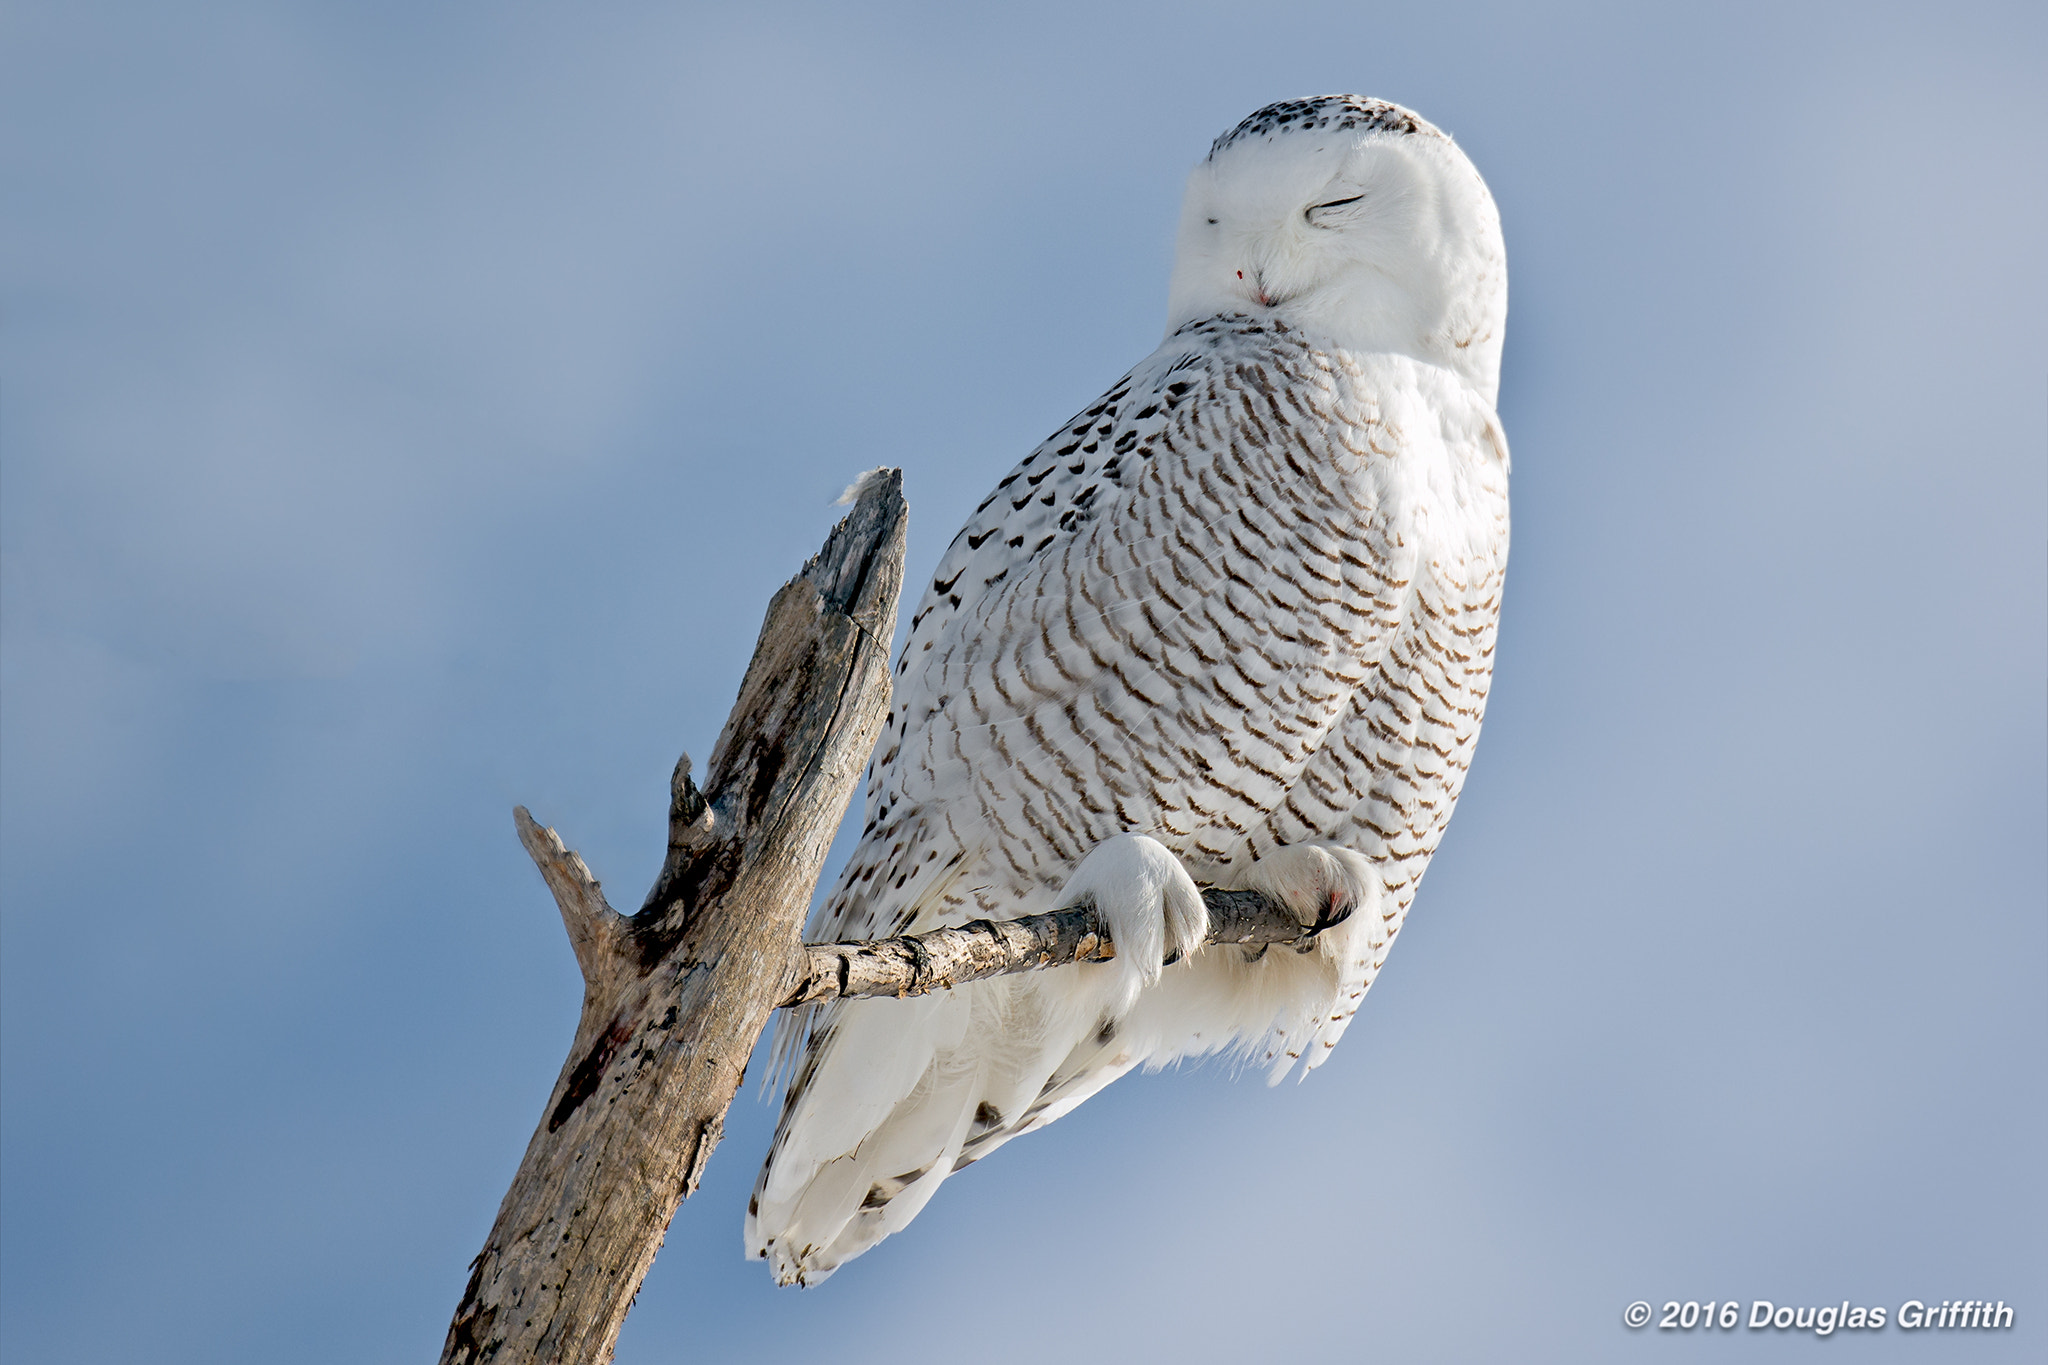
[{"x": 1232, "y": 625}]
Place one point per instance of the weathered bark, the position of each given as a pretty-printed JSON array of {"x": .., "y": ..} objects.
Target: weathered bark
[
  {"x": 675, "y": 996},
  {"x": 921, "y": 963}
]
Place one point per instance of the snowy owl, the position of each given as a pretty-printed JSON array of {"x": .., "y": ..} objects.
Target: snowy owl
[{"x": 1231, "y": 626}]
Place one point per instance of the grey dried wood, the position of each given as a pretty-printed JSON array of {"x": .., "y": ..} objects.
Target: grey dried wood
[
  {"x": 676, "y": 995},
  {"x": 917, "y": 964}
]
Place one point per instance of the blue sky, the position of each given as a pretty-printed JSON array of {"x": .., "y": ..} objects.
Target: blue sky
[{"x": 406, "y": 411}]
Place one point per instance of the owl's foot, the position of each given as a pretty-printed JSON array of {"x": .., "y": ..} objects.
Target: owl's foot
[
  {"x": 1321, "y": 884},
  {"x": 1148, "y": 902}
]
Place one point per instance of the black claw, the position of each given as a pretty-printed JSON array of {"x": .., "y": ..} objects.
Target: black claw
[
  {"x": 921, "y": 968},
  {"x": 1326, "y": 920}
]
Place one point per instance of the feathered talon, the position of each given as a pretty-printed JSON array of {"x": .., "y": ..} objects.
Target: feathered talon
[
  {"x": 1149, "y": 904},
  {"x": 1323, "y": 885}
]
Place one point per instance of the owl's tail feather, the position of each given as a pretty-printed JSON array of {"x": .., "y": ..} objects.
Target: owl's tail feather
[{"x": 894, "y": 1096}]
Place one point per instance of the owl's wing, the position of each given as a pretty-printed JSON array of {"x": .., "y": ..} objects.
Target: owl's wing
[
  {"x": 1054, "y": 491},
  {"x": 887, "y": 886},
  {"x": 1149, "y": 625},
  {"x": 1152, "y": 625}
]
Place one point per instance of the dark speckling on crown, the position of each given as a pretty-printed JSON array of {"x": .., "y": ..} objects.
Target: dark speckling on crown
[{"x": 1344, "y": 113}]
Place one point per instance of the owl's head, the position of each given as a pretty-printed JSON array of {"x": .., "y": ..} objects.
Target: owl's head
[{"x": 1353, "y": 219}]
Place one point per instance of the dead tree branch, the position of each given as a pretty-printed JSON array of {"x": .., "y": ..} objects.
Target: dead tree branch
[
  {"x": 920, "y": 963},
  {"x": 675, "y": 996}
]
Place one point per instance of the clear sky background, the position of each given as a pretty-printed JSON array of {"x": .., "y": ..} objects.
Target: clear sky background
[{"x": 408, "y": 410}]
